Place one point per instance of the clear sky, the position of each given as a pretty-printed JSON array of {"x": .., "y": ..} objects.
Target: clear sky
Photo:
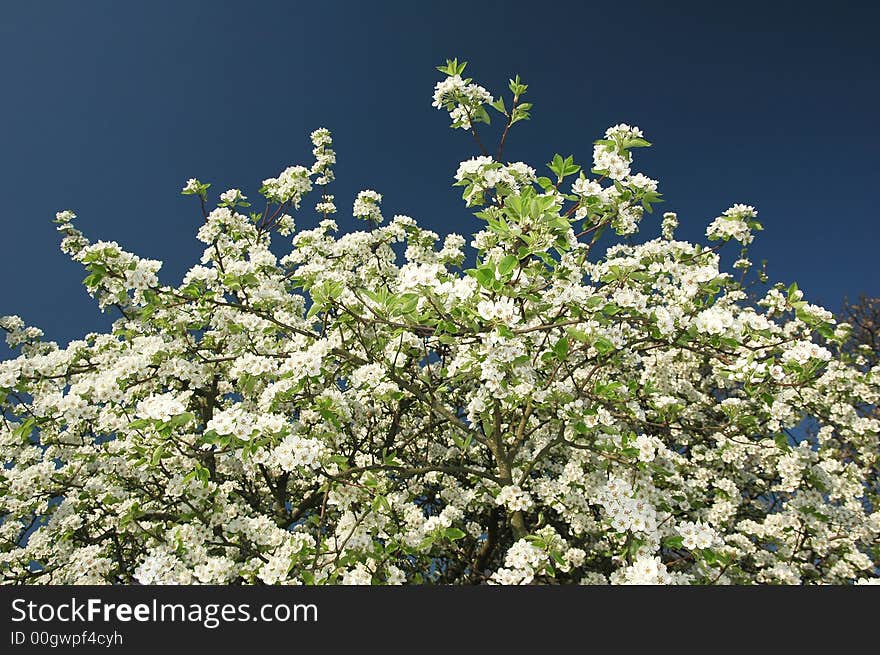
[{"x": 108, "y": 107}]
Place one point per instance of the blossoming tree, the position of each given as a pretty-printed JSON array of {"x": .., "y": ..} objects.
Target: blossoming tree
[{"x": 383, "y": 407}]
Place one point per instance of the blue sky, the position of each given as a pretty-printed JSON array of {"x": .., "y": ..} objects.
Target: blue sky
[{"x": 108, "y": 108}]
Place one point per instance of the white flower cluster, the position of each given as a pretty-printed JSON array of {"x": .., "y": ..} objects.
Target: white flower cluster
[
  {"x": 481, "y": 174},
  {"x": 452, "y": 251},
  {"x": 521, "y": 562},
  {"x": 802, "y": 352},
  {"x": 232, "y": 197},
  {"x": 502, "y": 310},
  {"x": 445, "y": 519},
  {"x": 670, "y": 222},
  {"x": 697, "y": 535},
  {"x": 473, "y": 167},
  {"x": 134, "y": 275},
  {"x": 162, "y": 567},
  {"x": 368, "y": 376},
  {"x": 645, "y": 570},
  {"x": 714, "y": 320},
  {"x": 17, "y": 333},
  {"x": 735, "y": 223},
  {"x": 613, "y": 159},
  {"x": 357, "y": 575},
  {"x": 366, "y": 206},
  {"x": 296, "y": 450},
  {"x": 642, "y": 182},
  {"x": 622, "y": 132},
  {"x": 613, "y": 163},
  {"x": 588, "y": 188},
  {"x": 234, "y": 421},
  {"x": 514, "y": 498},
  {"x": 461, "y": 98},
  {"x": 290, "y": 186},
  {"x": 626, "y": 509},
  {"x": 326, "y": 206},
  {"x": 647, "y": 447},
  {"x": 325, "y": 156},
  {"x": 160, "y": 407}
]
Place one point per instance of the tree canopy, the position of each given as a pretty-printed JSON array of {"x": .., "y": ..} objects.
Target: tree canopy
[{"x": 528, "y": 405}]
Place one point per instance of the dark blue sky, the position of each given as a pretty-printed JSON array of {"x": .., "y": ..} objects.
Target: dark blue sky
[{"x": 108, "y": 107}]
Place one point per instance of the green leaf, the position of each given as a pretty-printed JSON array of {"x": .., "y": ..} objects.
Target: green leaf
[
  {"x": 507, "y": 264},
  {"x": 561, "y": 348},
  {"x": 569, "y": 167},
  {"x": 452, "y": 67},
  {"x": 673, "y": 542},
  {"x": 505, "y": 331},
  {"x": 380, "y": 502},
  {"x": 407, "y": 303},
  {"x": 556, "y": 165},
  {"x": 782, "y": 442},
  {"x": 544, "y": 182},
  {"x": 486, "y": 276},
  {"x": 499, "y": 105},
  {"x": 182, "y": 419},
  {"x": 635, "y": 143},
  {"x": 521, "y": 113},
  {"x": 603, "y": 345},
  {"x": 158, "y": 454},
  {"x": 578, "y": 335},
  {"x": 454, "y": 534},
  {"x": 23, "y": 431},
  {"x": 711, "y": 557},
  {"x": 517, "y": 88}
]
